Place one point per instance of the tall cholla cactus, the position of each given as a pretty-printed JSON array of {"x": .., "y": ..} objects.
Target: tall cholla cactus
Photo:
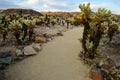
[
  {"x": 15, "y": 27},
  {"x": 94, "y": 26},
  {"x": 84, "y": 19},
  {"x": 101, "y": 17}
]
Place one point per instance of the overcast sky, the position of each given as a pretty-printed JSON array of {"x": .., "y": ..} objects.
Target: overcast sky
[{"x": 60, "y": 5}]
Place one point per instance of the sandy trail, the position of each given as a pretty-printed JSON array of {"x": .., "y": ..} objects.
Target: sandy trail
[{"x": 57, "y": 61}]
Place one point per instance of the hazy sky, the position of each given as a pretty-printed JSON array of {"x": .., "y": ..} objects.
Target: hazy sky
[{"x": 60, "y": 5}]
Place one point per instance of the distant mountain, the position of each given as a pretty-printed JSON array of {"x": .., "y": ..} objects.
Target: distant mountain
[{"x": 21, "y": 11}]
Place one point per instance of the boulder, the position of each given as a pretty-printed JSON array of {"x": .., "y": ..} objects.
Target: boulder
[
  {"x": 19, "y": 52},
  {"x": 28, "y": 51},
  {"x": 7, "y": 60},
  {"x": 39, "y": 39},
  {"x": 7, "y": 52},
  {"x": 36, "y": 47},
  {"x": 96, "y": 74}
]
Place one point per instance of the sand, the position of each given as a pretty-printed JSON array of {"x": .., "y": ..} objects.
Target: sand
[{"x": 57, "y": 61}]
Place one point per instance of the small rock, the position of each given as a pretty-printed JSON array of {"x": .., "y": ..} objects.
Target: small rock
[
  {"x": 19, "y": 52},
  {"x": 36, "y": 47},
  {"x": 47, "y": 35},
  {"x": 110, "y": 63},
  {"x": 39, "y": 39},
  {"x": 28, "y": 51},
  {"x": 59, "y": 34}
]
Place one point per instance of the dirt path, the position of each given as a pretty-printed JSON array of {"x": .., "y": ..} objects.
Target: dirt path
[{"x": 57, "y": 61}]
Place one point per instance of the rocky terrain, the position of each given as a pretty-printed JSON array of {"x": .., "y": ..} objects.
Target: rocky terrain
[{"x": 113, "y": 49}]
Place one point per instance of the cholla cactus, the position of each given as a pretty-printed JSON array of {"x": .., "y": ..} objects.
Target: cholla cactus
[
  {"x": 53, "y": 21},
  {"x": 3, "y": 31},
  {"x": 112, "y": 28},
  {"x": 1, "y": 28},
  {"x": 1, "y": 16},
  {"x": 85, "y": 18},
  {"x": 15, "y": 27},
  {"x": 77, "y": 20},
  {"x": 94, "y": 26},
  {"x": 102, "y": 15},
  {"x": 31, "y": 23},
  {"x": 86, "y": 12},
  {"x": 71, "y": 20}
]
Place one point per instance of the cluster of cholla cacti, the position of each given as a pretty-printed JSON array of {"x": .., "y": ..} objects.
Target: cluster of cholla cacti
[
  {"x": 22, "y": 26},
  {"x": 96, "y": 24},
  {"x": 17, "y": 24}
]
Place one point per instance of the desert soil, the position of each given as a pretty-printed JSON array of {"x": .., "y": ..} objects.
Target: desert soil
[{"x": 57, "y": 61}]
